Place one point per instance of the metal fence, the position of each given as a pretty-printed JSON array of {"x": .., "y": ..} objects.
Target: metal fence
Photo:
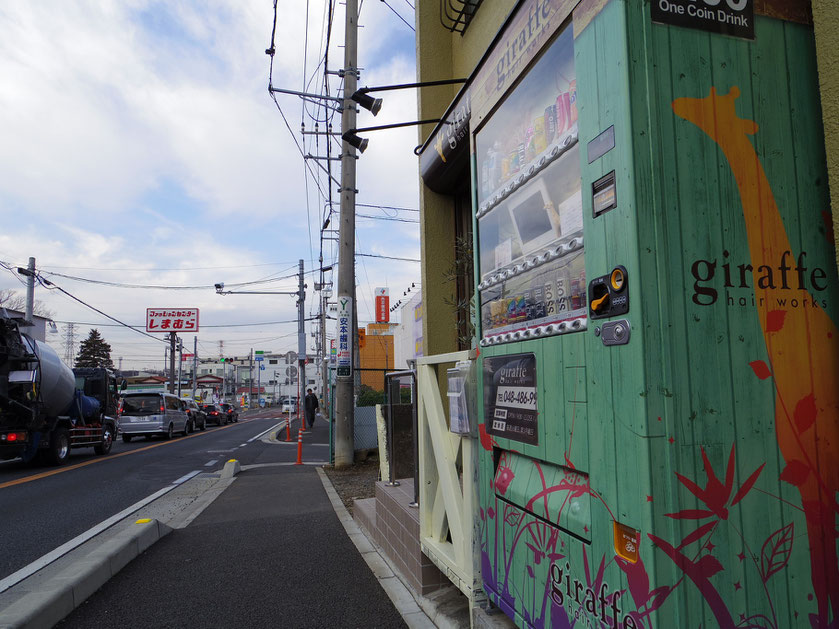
[{"x": 365, "y": 432}]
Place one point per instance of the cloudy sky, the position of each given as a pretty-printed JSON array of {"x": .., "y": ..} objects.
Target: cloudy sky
[{"x": 140, "y": 147}]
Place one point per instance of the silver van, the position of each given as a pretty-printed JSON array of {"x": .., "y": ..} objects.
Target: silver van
[{"x": 150, "y": 413}]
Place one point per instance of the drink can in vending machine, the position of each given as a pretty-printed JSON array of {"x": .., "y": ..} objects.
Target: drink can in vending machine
[
  {"x": 563, "y": 113},
  {"x": 550, "y": 123}
]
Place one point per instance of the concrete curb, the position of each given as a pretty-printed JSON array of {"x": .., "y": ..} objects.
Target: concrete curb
[{"x": 60, "y": 595}]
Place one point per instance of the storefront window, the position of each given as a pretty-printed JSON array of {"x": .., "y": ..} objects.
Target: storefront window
[{"x": 530, "y": 215}]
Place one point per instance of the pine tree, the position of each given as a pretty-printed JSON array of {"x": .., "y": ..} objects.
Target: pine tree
[{"x": 94, "y": 352}]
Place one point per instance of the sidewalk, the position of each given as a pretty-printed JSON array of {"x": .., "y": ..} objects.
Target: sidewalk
[{"x": 270, "y": 551}]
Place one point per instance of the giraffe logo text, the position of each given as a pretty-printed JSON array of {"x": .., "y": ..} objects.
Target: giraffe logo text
[{"x": 789, "y": 273}]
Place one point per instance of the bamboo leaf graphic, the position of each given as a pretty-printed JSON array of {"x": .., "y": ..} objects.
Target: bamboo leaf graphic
[
  {"x": 745, "y": 487},
  {"x": 697, "y": 534},
  {"x": 776, "y": 551},
  {"x": 760, "y": 369}
]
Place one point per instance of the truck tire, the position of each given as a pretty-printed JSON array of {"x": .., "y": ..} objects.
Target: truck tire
[
  {"x": 107, "y": 440},
  {"x": 59, "y": 450}
]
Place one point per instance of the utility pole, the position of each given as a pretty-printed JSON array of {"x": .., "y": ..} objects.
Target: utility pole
[
  {"x": 250, "y": 379},
  {"x": 180, "y": 364},
  {"x": 345, "y": 389},
  {"x": 195, "y": 364},
  {"x": 30, "y": 290},
  {"x": 172, "y": 340},
  {"x": 301, "y": 337}
]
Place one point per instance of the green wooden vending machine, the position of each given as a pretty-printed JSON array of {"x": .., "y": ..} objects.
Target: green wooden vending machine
[{"x": 657, "y": 305}]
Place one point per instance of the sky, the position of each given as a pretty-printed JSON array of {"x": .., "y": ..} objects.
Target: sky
[{"x": 141, "y": 148}]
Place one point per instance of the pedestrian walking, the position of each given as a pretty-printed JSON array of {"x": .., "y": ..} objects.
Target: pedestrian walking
[{"x": 310, "y": 407}]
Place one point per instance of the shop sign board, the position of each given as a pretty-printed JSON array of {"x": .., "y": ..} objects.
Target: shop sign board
[
  {"x": 727, "y": 17},
  {"x": 510, "y": 397},
  {"x": 171, "y": 319},
  {"x": 382, "y": 305},
  {"x": 345, "y": 329}
]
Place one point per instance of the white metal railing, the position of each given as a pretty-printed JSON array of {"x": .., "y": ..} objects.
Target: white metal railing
[{"x": 447, "y": 497}]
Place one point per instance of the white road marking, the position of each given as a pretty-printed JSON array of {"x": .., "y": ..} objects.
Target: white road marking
[
  {"x": 209, "y": 463},
  {"x": 32, "y": 568}
]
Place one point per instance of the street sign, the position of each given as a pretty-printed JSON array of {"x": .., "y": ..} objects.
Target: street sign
[
  {"x": 171, "y": 319},
  {"x": 344, "y": 356},
  {"x": 262, "y": 367},
  {"x": 259, "y": 358}
]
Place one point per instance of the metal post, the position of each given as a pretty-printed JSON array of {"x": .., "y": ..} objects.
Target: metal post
[
  {"x": 345, "y": 390},
  {"x": 195, "y": 365},
  {"x": 172, "y": 362},
  {"x": 392, "y": 482},
  {"x": 250, "y": 379},
  {"x": 180, "y": 364},
  {"x": 30, "y": 290},
  {"x": 324, "y": 357}
]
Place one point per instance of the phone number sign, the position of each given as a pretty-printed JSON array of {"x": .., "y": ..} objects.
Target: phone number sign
[
  {"x": 171, "y": 319},
  {"x": 510, "y": 397}
]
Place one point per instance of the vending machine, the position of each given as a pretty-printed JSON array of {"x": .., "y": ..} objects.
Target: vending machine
[{"x": 657, "y": 318}]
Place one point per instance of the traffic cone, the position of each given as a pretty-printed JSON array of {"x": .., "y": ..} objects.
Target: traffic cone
[
  {"x": 299, "y": 447},
  {"x": 288, "y": 429}
]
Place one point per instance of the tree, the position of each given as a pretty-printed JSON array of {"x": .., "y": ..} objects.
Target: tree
[
  {"x": 94, "y": 352},
  {"x": 11, "y": 299}
]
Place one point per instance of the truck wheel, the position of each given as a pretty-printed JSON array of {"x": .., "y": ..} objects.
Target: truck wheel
[
  {"x": 171, "y": 433},
  {"x": 126, "y": 438},
  {"x": 107, "y": 440},
  {"x": 59, "y": 450}
]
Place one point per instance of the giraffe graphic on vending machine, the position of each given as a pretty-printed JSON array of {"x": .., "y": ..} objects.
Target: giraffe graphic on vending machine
[{"x": 802, "y": 346}]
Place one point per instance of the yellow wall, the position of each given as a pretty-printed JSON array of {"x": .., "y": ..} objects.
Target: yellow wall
[
  {"x": 826, "y": 24},
  {"x": 377, "y": 353},
  {"x": 445, "y": 55}
]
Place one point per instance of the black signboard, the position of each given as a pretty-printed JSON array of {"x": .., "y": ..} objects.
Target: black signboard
[
  {"x": 510, "y": 397},
  {"x": 728, "y": 17}
]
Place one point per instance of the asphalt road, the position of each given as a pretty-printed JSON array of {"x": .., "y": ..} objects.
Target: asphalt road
[{"x": 44, "y": 507}]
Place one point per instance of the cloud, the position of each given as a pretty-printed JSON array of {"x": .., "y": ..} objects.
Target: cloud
[{"x": 140, "y": 146}]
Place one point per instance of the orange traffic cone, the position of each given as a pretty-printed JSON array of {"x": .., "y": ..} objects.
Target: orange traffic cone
[{"x": 299, "y": 447}]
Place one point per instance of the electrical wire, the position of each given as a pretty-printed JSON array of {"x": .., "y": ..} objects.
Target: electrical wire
[
  {"x": 396, "y": 13},
  {"x": 51, "y": 286},
  {"x": 162, "y": 287},
  {"x": 373, "y": 255}
]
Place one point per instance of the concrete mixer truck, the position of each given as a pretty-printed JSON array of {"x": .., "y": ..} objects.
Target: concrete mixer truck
[{"x": 46, "y": 408}]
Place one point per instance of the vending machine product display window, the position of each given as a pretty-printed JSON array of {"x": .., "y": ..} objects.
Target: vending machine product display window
[{"x": 530, "y": 214}]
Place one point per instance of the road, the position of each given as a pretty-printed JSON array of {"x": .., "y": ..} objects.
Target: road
[{"x": 45, "y": 507}]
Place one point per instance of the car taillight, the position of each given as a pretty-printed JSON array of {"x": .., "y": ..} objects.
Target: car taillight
[
  {"x": 162, "y": 409},
  {"x": 13, "y": 437}
]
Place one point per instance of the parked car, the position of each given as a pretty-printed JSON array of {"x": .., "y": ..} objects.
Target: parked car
[
  {"x": 215, "y": 414},
  {"x": 148, "y": 413},
  {"x": 197, "y": 417},
  {"x": 289, "y": 405},
  {"x": 232, "y": 413}
]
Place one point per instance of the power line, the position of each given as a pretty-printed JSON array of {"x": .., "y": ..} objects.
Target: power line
[
  {"x": 50, "y": 286},
  {"x": 163, "y": 287},
  {"x": 373, "y": 255}
]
